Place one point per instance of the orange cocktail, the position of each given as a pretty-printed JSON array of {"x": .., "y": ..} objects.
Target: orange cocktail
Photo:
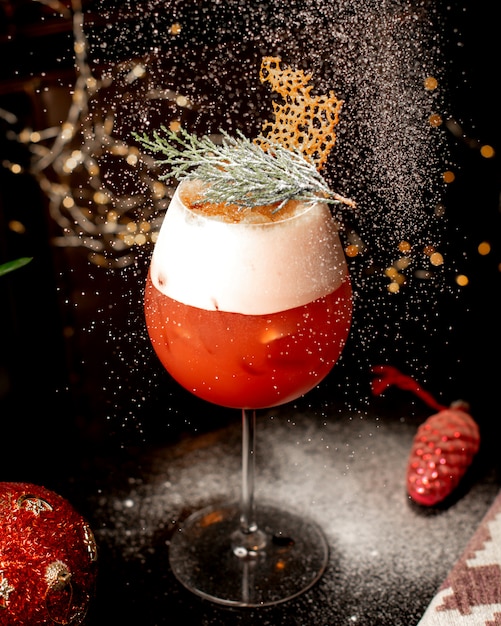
[
  {"x": 248, "y": 305},
  {"x": 248, "y": 314}
]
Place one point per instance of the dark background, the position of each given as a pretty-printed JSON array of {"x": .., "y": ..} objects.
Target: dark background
[{"x": 83, "y": 399}]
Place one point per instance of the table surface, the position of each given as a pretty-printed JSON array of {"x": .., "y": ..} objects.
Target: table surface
[{"x": 344, "y": 469}]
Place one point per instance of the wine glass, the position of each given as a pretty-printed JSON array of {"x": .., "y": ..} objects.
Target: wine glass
[{"x": 248, "y": 315}]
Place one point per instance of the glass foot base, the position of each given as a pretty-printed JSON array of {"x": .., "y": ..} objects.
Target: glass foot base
[{"x": 290, "y": 556}]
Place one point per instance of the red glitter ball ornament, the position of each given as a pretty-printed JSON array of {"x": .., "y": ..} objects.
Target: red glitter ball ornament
[
  {"x": 48, "y": 558},
  {"x": 442, "y": 450}
]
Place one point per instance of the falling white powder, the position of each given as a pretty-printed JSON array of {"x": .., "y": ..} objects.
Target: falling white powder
[{"x": 376, "y": 57}]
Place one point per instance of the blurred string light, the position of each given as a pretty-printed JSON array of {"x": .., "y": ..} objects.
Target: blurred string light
[
  {"x": 72, "y": 165},
  {"x": 486, "y": 151},
  {"x": 397, "y": 273},
  {"x": 407, "y": 258}
]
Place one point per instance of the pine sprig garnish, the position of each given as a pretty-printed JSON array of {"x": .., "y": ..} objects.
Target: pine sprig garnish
[{"x": 238, "y": 171}]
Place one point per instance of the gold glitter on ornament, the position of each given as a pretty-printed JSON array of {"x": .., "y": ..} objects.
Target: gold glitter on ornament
[
  {"x": 33, "y": 504},
  {"x": 57, "y": 575},
  {"x": 5, "y": 591},
  {"x": 90, "y": 543}
]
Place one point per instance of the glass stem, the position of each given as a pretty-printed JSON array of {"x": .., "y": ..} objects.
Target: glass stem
[{"x": 247, "y": 521}]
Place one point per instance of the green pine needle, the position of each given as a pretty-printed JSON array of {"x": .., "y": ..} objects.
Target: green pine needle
[
  {"x": 10, "y": 266},
  {"x": 238, "y": 171}
]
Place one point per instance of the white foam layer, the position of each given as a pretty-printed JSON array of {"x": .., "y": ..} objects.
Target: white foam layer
[{"x": 247, "y": 268}]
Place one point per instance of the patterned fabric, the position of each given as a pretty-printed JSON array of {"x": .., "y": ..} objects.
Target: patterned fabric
[{"x": 471, "y": 593}]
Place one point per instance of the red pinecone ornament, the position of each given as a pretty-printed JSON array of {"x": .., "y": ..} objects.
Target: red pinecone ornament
[
  {"x": 444, "y": 445},
  {"x": 48, "y": 558},
  {"x": 442, "y": 450}
]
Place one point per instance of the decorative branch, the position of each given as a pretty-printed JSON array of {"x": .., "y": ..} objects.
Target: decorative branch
[{"x": 238, "y": 171}]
